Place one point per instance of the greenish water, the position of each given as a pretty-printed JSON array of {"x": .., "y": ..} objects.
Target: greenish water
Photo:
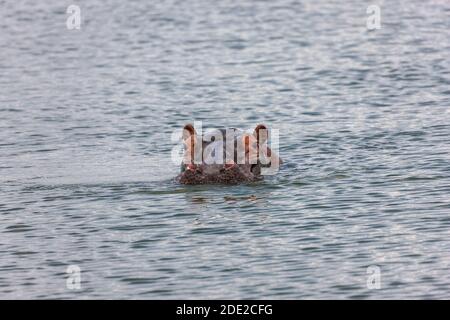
[{"x": 86, "y": 177}]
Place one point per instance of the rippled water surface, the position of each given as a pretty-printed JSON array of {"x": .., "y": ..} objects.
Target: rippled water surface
[{"x": 86, "y": 179}]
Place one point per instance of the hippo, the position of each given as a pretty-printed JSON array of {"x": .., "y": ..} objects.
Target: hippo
[{"x": 225, "y": 156}]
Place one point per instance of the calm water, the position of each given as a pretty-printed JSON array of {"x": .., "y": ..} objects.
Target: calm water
[{"x": 86, "y": 177}]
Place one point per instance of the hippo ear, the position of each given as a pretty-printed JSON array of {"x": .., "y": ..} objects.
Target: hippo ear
[
  {"x": 188, "y": 131},
  {"x": 261, "y": 133},
  {"x": 189, "y": 137}
]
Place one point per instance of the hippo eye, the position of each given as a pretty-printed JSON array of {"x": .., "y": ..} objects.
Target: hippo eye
[{"x": 255, "y": 169}]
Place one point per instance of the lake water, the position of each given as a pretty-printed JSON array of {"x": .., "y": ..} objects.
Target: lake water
[{"x": 86, "y": 177}]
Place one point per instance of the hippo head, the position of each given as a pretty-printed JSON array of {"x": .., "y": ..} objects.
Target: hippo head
[{"x": 226, "y": 156}]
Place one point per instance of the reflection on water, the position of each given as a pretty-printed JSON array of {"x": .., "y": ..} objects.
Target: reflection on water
[{"x": 86, "y": 177}]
